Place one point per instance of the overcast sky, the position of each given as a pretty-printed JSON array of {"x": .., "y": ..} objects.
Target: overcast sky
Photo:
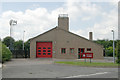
[{"x": 38, "y": 17}]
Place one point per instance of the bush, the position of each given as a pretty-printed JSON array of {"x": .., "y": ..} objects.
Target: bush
[
  {"x": 118, "y": 61},
  {"x": 6, "y": 53},
  {"x": 109, "y": 51},
  {"x": 0, "y": 51},
  {"x": 118, "y": 52}
]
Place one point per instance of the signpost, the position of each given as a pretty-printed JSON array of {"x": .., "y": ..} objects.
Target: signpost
[
  {"x": 84, "y": 56},
  {"x": 87, "y": 55}
]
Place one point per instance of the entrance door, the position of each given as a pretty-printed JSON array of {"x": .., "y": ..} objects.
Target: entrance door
[
  {"x": 44, "y": 50},
  {"x": 80, "y": 52}
]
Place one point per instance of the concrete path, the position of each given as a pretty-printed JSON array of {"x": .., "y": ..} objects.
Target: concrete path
[{"x": 45, "y": 68}]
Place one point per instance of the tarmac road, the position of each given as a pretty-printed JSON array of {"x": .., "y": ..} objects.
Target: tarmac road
[{"x": 37, "y": 68}]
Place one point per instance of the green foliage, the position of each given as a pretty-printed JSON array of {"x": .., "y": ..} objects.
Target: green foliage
[
  {"x": 27, "y": 45},
  {"x": 8, "y": 40},
  {"x": 118, "y": 51},
  {"x": 0, "y": 51},
  {"x": 108, "y": 46},
  {"x": 106, "y": 43},
  {"x": 18, "y": 45},
  {"x": 6, "y": 53},
  {"x": 109, "y": 51},
  {"x": 27, "y": 49}
]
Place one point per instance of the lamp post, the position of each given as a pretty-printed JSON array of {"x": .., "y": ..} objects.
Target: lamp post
[
  {"x": 113, "y": 47},
  {"x": 12, "y": 23},
  {"x": 23, "y": 39}
]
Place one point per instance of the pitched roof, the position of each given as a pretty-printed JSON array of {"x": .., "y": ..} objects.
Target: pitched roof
[
  {"x": 81, "y": 37},
  {"x": 43, "y": 33},
  {"x": 67, "y": 32}
]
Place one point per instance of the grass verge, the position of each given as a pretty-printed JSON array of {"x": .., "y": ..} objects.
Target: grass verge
[{"x": 87, "y": 64}]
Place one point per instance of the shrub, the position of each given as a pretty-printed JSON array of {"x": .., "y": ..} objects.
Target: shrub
[
  {"x": 118, "y": 52},
  {"x": 0, "y": 51},
  {"x": 6, "y": 53},
  {"x": 109, "y": 51}
]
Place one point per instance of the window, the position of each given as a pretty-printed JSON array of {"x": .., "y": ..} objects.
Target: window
[
  {"x": 88, "y": 49},
  {"x": 44, "y": 50},
  {"x": 44, "y": 53},
  {"x": 39, "y": 50},
  {"x": 39, "y": 53},
  {"x": 82, "y": 50},
  {"x": 48, "y": 53},
  {"x": 71, "y": 50},
  {"x": 49, "y": 50},
  {"x": 63, "y": 50},
  {"x": 78, "y": 50}
]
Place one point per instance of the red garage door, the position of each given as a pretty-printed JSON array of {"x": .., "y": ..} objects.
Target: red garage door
[{"x": 44, "y": 50}]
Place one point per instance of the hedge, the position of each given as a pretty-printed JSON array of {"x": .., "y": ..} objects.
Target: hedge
[
  {"x": 0, "y": 51},
  {"x": 118, "y": 52},
  {"x": 6, "y": 53}
]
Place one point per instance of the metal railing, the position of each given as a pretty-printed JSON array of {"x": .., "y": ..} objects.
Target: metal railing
[{"x": 20, "y": 54}]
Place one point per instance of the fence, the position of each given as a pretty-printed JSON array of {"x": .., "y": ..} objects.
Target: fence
[{"x": 20, "y": 54}]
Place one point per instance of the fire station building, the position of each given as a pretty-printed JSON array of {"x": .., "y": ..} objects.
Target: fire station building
[{"x": 60, "y": 43}]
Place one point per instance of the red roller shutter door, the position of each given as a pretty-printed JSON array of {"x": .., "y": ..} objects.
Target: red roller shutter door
[{"x": 44, "y": 50}]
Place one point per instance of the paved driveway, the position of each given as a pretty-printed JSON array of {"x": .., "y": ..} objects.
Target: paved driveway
[{"x": 45, "y": 68}]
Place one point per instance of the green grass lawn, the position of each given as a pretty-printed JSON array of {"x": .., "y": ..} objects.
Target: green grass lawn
[{"x": 88, "y": 64}]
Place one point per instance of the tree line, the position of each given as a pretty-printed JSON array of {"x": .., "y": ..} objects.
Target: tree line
[
  {"x": 108, "y": 46},
  {"x": 17, "y": 45}
]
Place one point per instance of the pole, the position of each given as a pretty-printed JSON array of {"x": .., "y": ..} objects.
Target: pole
[
  {"x": 10, "y": 36},
  {"x": 10, "y": 39},
  {"x": 23, "y": 44},
  {"x": 10, "y": 30},
  {"x": 85, "y": 60},
  {"x": 23, "y": 40},
  {"x": 90, "y": 60},
  {"x": 12, "y": 23},
  {"x": 113, "y": 48}
]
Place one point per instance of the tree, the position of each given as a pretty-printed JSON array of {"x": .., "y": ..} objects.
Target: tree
[
  {"x": 6, "y": 53},
  {"x": 27, "y": 48},
  {"x": 8, "y": 41},
  {"x": 118, "y": 51},
  {"x": 18, "y": 45},
  {"x": 105, "y": 42},
  {"x": 27, "y": 45},
  {"x": 108, "y": 46},
  {"x": 109, "y": 51}
]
